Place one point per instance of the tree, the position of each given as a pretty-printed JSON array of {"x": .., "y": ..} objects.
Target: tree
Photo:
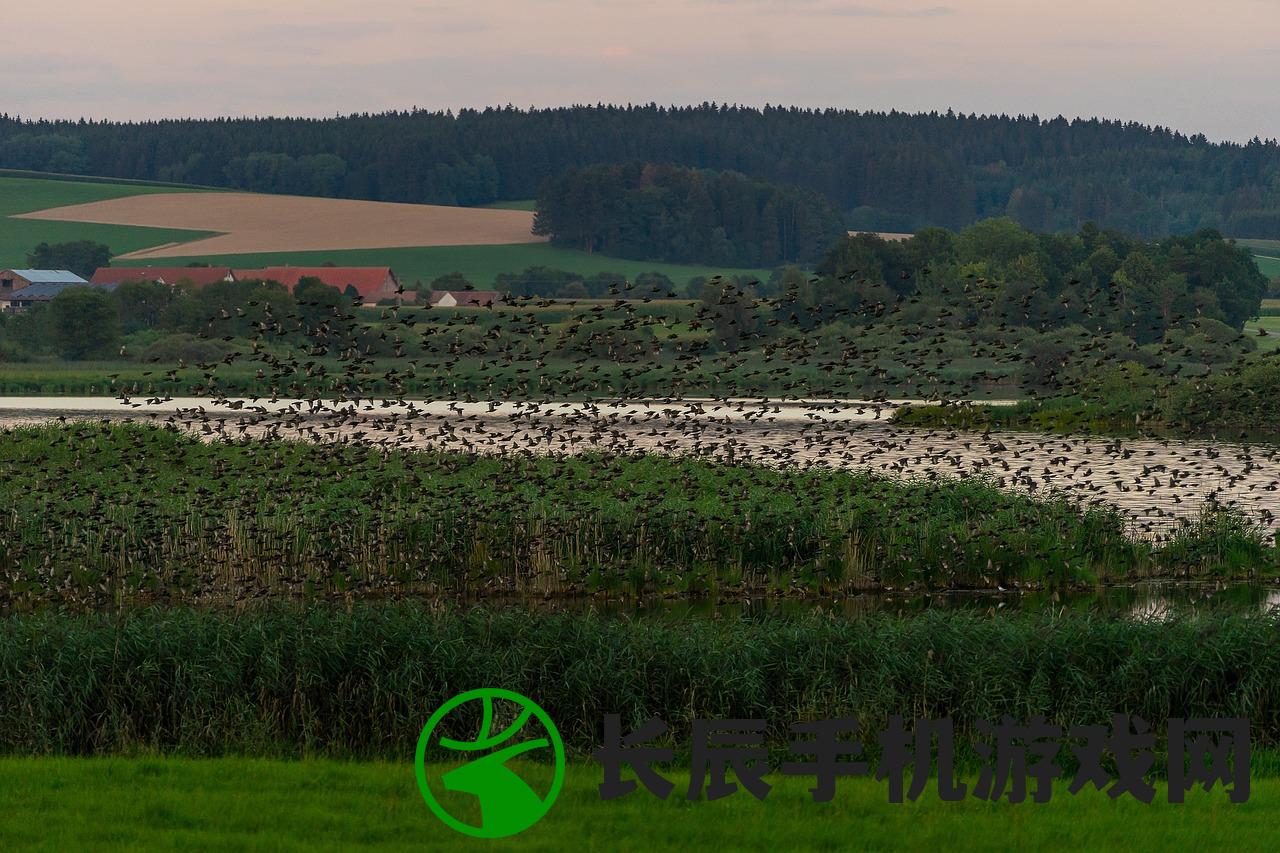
[
  {"x": 142, "y": 304},
  {"x": 653, "y": 284},
  {"x": 451, "y": 281},
  {"x": 668, "y": 213},
  {"x": 82, "y": 257},
  {"x": 326, "y": 315},
  {"x": 83, "y": 323}
]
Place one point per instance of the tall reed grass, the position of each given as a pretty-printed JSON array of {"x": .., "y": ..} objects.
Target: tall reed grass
[{"x": 362, "y": 681}]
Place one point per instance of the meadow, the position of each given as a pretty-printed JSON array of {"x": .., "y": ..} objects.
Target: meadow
[
  {"x": 1266, "y": 253},
  {"x": 101, "y": 515},
  {"x": 1268, "y": 324},
  {"x": 28, "y": 194},
  {"x": 239, "y": 803},
  {"x": 530, "y": 204},
  {"x": 479, "y": 264}
]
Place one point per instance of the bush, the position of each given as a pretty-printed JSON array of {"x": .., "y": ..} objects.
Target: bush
[{"x": 184, "y": 346}]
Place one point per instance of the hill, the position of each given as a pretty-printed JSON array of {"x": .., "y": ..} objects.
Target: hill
[{"x": 889, "y": 171}]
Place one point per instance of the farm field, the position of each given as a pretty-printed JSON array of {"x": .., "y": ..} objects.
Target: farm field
[
  {"x": 238, "y": 803},
  {"x": 253, "y": 222},
  {"x": 1266, "y": 247},
  {"x": 24, "y": 194},
  {"x": 19, "y": 195}
]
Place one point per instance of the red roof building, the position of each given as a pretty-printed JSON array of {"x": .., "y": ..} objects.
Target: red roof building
[
  {"x": 198, "y": 276},
  {"x": 372, "y": 283}
]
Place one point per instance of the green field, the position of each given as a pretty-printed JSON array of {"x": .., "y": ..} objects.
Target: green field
[
  {"x": 517, "y": 204},
  {"x": 24, "y": 195},
  {"x": 1267, "y": 255},
  {"x": 1271, "y": 325},
  {"x": 480, "y": 264},
  {"x": 239, "y": 804},
  {"x": 1268, "y": 265}
]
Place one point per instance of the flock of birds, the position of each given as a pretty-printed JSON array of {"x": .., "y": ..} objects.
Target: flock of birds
[{"x": 1158, "y": 483}]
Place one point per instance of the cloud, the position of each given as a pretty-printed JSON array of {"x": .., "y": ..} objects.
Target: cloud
[
  {"x": 310, "y": 32},
  {"x": 859, "y": 11},
  {"x": 837, "y": 9}
]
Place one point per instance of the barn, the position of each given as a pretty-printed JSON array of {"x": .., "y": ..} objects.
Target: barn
[
  {"x": 198, "y": 276},
  {"x": 17, "y": 301},
  {"x": 11, "y": 280},
  {"x": 372, "y": 284}
]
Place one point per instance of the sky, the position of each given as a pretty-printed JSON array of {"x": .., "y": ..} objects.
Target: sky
[{"x": 1210, "y": 68}]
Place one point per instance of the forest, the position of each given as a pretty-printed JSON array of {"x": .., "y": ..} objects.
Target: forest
[
  {"x": 667, "y": 213},
  {"x": 886, "y": 171}
]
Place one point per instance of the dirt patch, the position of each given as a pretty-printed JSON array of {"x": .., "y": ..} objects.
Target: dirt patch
[{"x": 250, "y": 223}]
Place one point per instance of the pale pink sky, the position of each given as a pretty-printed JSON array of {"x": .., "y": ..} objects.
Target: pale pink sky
[{"x": 1209, "y": 67}]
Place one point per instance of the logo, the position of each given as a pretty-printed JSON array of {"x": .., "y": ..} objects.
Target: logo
[{"x": 507, "y": 802}]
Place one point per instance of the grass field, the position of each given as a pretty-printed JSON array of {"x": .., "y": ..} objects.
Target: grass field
[
  {"x": 238, "y": 804},
  {"x": 24, "y": 195},
  {"x": 1268, "y": 265},
  {"x": 1271, "y": 325},
  {"x": 517, "y": 204},
  {"x": 480, "y": 264},
  {"x": 1267, "y": 255}
]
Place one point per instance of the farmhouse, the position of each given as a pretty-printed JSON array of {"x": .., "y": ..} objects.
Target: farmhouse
[
  {"x": 17, "y": 301},
  {"x": 465, "y": 298},
  {"x": 372, "y": 284},
  {"x": 198, "y": 276},
  {"x": 11, "y": 280}
]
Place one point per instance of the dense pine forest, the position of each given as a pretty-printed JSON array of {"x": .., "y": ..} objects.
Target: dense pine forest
[
  {"x": 886, "y": 171},
  {"x": 668, "y": 213}
]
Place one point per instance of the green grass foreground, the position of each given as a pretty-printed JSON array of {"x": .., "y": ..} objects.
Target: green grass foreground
[{"x": 241, "y": 804}]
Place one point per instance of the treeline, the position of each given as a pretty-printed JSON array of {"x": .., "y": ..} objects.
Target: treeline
[
  {"x": 889, "y": 171},
  {"x": 159, "y": 323},
  {"x": 679, "y": 215},
  {"x": 1000, "y": 273}
]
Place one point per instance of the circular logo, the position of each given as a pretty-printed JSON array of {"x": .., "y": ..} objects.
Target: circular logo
[{"x": 507, "y": 802}]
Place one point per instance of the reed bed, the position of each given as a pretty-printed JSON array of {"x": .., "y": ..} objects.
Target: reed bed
[
  {"x": 361, "y": 681},
  {"x": 97, "y": 514}
]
